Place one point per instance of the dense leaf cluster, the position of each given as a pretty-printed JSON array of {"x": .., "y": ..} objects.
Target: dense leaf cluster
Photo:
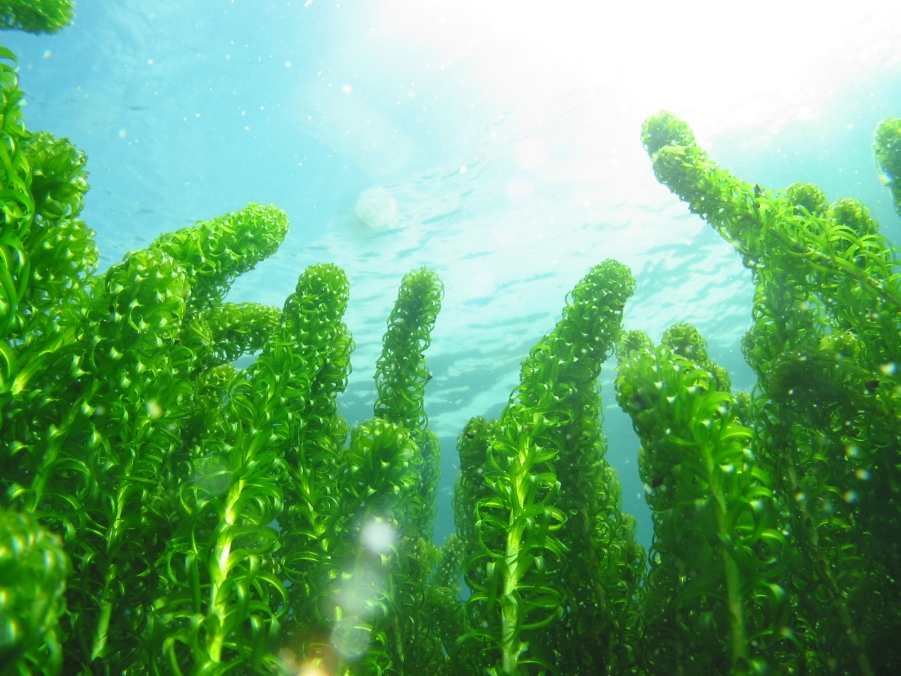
[
  {"x": 33, "y": 573},
  {"x": 887, "y": 146},
  {"x": 201, "y": 518},
  {"x": 36, "y": 16},
  {"x": 820, "y": 450},
  {"x": 551, "y": 560},
  {"x": 710, "y": 600}
]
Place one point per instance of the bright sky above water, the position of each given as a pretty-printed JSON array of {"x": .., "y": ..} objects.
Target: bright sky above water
[{"x": 760, "y": 62}]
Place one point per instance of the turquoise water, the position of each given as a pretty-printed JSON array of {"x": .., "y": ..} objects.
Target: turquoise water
[{"x": 484, "y": 145}]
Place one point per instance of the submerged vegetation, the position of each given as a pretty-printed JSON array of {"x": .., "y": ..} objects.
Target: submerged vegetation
[
  {"x": 887, "y": 147},
  {"x": 36, "y": 16},
  {"x": 165, "y": 512},
  {"x": 808, "y": 490}
]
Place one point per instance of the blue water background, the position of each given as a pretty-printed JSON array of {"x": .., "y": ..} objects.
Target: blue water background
[{"x": 191, "y": 109}]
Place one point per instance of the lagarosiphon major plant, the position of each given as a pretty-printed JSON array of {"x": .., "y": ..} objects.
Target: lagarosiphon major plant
[{"x": 165, "y": 511}]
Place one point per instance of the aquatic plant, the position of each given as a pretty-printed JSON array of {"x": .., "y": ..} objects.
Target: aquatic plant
[
  {"x": 358, "y": 545},
  {"x": 32, "y": 580},
  {"x": 162, "y": 466},
  {"x": 887, "y": 146},
  {"x": 164, "y": 511},
  {"x": 215, "y": 520},
  {"x": 711, "y": 602},
  {"x": 551, "y": 561},
  {"x": 825, "y": 413},
  {"x": 36, "y": 16}
]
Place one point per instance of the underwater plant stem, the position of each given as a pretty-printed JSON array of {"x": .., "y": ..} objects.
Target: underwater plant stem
[
  {"x": 839, "y": 600},
  {"x": 518, "y": 559},
  {"x": 510, "y": 619},
  {"x": 58, "y": 436},
  {"x": 219, "y": 571},
  {"x": 101, "y": 632},
  {"x": 733, "y": 574},
  {"x": 398, "y": 644},
  {"x": 601, "y": 595},
  {"x": 108, "y": 597},
  {"x": 736, "y": 614}
]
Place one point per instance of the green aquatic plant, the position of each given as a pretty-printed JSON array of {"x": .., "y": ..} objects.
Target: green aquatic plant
[
  {"x": 401, "y": 378},
  {"x": 553, "y": 566},
  {"x": 166, "y": 469},
  {"x": 887, "y": 146},
  {"x": 211, "y": 514},
  {"x": 165, "y": 510},
  {"x": 311, "y": 520},
  {"x": 827, "y": 409},
  {"x": 712, "y": 603},
  {"x": 402, "y": 375},
  {"x": 36, "y": 16},
  {"x": 222, "y": 598},
  {"x": 44, "y": 181},
  {"x": 215, "y": 518},
  {"x": 360, "y": 552},
  {"x": 32, "y": 581}
]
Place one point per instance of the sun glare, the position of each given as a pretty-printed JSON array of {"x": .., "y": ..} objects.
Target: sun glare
[{"x": 752, "y": 62}]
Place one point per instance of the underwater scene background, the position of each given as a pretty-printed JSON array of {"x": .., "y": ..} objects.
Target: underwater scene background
[{"x": 508, "y": 149}]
